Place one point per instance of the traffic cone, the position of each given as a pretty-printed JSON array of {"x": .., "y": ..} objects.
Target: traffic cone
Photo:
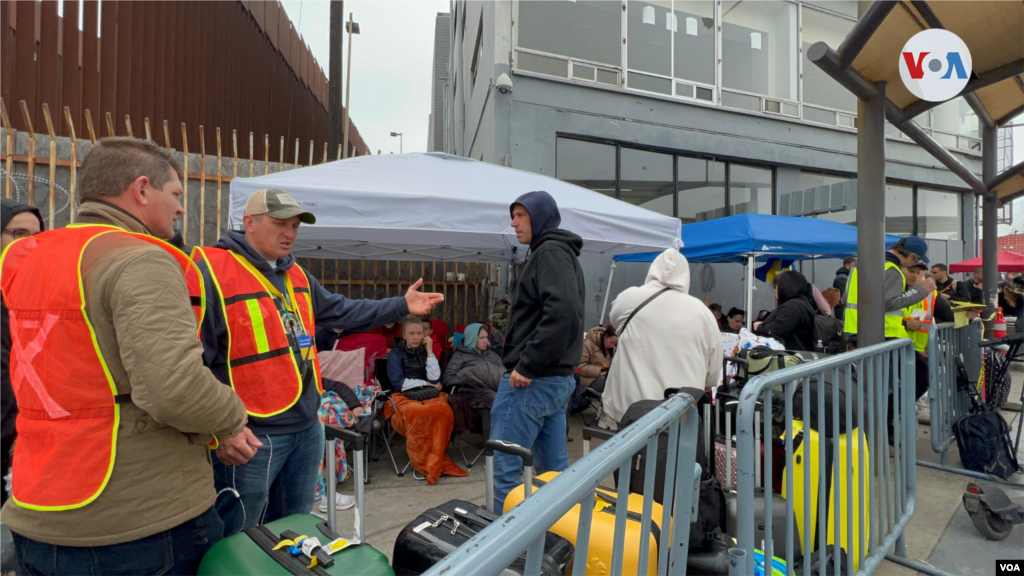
[{"x": 999, "y": 328}]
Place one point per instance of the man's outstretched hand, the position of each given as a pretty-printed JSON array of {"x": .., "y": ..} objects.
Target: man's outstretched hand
[
  {"x": 421, "y": 302},
  {"x": 238, "y": 450}
]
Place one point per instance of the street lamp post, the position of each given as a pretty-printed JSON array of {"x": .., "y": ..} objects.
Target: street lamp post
[
  {"x": 352, "y": 28},
  {"x": 399, "y": 134}
]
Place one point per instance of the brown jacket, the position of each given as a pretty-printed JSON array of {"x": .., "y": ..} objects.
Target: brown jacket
[
  {"x": 138, "y": 304},
  {"x": 595, "y": 359}
]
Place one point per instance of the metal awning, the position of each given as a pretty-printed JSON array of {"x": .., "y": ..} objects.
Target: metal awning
[{"x": 992, "y": 30}]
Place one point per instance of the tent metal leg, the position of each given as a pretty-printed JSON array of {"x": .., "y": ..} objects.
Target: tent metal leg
[
  {"x": 750, "y": 291},
  {"x": 607, "y": 294}
]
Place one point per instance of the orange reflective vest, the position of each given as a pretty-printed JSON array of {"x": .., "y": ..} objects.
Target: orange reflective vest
[
  {"x": 920, "y": 336},
  {"x": 261, "y": 363},
  {"x": 68, "y": 411}
]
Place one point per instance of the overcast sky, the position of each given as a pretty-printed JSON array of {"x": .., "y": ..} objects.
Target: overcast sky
[{"x": 392, "y": 64}]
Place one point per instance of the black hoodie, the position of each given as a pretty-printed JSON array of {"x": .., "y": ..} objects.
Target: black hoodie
[
  {"x": 9, "y": 406},
  {"x": 545, "y": 329},
  {"x": 792, "y": 323}
]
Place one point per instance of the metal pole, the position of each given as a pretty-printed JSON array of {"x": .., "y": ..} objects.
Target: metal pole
[
  {"x": 332, "y": 485},
  {"x": 989, "y": 225},
  {"x": 750, "y": 291},
  {"x": 348, "y": 90},
  {"x": 871, "y": 219},
  {"x": 607, "y": 294},
  {"x": 334, "y": 126}
]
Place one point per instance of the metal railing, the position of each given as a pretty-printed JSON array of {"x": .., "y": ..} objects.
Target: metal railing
[
  {"x": 864, "y": 497},
  {"x": 946, "y": 404},
  {"x": 524, "y": 528}
]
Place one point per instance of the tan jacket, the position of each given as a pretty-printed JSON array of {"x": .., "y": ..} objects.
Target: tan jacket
[
  {"x": 595, "y": 359},
  {"x": 138, "y": 303}
]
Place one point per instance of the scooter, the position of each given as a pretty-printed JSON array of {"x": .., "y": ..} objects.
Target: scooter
[{"x": 992, "y": 513}]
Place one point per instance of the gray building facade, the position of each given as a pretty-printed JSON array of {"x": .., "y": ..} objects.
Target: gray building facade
[
  {"x": 695, "y": 109},
  {"x": 439, "y": 79}
]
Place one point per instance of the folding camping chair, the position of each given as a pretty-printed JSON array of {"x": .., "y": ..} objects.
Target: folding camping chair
[{"x": 381, "y": 426}]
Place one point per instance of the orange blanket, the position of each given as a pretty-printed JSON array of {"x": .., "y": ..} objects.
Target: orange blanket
[{"x": 426, "y": 426}]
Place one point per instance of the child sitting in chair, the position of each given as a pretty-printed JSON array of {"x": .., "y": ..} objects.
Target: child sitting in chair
[{"x": 423, "y": 416}]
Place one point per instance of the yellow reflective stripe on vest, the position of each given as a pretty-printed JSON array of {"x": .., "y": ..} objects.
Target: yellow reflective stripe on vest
[{"x": 258, "y": 329}]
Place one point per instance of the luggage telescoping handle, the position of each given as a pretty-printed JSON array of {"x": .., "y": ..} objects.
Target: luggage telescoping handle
[
  {"x": 358, "y": 443},
  {"x": 492, "y": 446}
]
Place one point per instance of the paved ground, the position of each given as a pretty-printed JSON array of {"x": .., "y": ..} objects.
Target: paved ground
[{"x": 940, "y": 532}]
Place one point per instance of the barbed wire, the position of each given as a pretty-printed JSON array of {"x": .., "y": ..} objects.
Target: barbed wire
[{"x": 14, "y": 176}]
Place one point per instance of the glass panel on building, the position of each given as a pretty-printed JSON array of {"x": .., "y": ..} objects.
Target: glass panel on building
[
  {"x": 819, "y": 88},
  {"x": 956, "y": 117},
  {"x": 649, "y": 29},
  {"x": 608, "y": 77},
  {"x": 649, "y": 83},
  {"x": 938, "y": 214},
  {"x": 819, "y": 115},
  {"x": 899, "y": 210},
  {"x": 701, "y": 191},
  {"x": 542, "y": 64},
  {"x": 587, "y": 30},
  {"x": 741, "y": 101},
  {"x": 647, "y": 180},
  {"x": 750, "y": 190},
  {"x": 586, "y": 164},
  {"x": 694, "y": 41},
  {"x": 759, "y": 48}
]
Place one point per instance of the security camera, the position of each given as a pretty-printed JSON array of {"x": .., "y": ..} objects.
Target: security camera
[{"x": 504, "y": 84}]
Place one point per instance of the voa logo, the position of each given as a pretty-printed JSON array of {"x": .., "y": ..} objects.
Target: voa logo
[{"x": 935, "y": 65}]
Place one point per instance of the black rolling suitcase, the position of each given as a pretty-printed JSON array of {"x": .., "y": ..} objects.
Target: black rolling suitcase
[{"x": 439, "y": 531}]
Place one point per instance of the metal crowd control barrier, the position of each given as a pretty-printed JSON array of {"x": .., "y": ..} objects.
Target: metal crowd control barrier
[
  {"x": 946, "y": 405},
  {"x": 523, "y": 529},
  {"x": 864, "y": 497}
]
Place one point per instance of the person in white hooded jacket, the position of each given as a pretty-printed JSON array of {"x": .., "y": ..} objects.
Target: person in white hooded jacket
[{"x": 672, "y": 342}]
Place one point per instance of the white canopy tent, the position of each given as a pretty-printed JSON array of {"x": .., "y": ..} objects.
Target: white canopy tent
[{"x": 438, "y": 207}]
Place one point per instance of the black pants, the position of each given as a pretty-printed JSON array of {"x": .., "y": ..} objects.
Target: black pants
[{"x": 920, "y": 387}]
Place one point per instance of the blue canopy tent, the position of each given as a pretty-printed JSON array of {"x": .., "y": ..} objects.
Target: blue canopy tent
[{"x": 749, "y": 238}]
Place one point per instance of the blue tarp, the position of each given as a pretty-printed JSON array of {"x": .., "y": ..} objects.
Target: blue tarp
[{"x": 766, "y": 237}]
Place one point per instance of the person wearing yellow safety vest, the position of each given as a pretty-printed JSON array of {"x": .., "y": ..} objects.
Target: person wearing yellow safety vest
[
  {"x": 258, "y": 337},
  {"x": 918, "y": 318},
  {"x": 112, "y": 472},
  {"x": 907, "y": 251}
]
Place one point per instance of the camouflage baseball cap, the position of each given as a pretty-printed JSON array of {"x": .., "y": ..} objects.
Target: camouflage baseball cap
[{"x": 277, "y": 204}]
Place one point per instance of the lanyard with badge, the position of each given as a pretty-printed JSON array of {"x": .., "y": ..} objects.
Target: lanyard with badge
[{"x": 286, "y": 307}]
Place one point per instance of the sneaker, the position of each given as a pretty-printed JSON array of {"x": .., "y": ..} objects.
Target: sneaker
[
  {"x": 341, "y": 502},
  {"x": 416, "y": 474},
  {"x": 607, "y": 423}
]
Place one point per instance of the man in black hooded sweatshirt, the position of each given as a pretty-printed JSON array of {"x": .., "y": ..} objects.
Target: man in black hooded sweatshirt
[
  {"x": 543, "y": 344},
  {"x": 19, "y": 221},
  {"x": 792, "y": 323}
]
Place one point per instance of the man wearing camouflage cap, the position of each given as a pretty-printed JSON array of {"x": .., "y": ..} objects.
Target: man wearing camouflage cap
[{"x": 258, "y": 337}]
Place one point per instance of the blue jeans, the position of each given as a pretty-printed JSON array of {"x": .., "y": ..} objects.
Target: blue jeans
[
  {"x": 279, "y": 481},
  {"x": 175, "y": 551},
  {"x": 533, "y": 417}
]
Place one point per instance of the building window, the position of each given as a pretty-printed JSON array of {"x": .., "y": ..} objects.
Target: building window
[
  {"x": 938, "y": 215},
  {"x": 759, "y": 48},
  {"x": 586, "y": 164},
  {"x": 694, "y": 41},
  {"x": 956, "y": 117},
  {"x": 819, "y": 88},
  {"x": 650, "y": 37},
  {"x": 582, "y": 30},
  {"x": 700, "y": 192},
  {"x": 750, "y": 190},
  {"x": 647, "y": 180},
  {"x": 899, "y": 210}
]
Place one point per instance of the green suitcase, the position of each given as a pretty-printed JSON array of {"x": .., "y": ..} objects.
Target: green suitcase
[{"x": 241, "y": 554}]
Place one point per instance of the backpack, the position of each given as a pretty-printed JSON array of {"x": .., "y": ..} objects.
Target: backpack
[
  {"x": 983, "y": 436},
  {"x": 760, "y": 360},
  {"x": 828, "y": 334}
]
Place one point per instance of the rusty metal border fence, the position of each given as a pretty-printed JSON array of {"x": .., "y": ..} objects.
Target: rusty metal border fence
[
  {"x": 41, "y": 170},
  {"x": 239, "y": 64}
]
